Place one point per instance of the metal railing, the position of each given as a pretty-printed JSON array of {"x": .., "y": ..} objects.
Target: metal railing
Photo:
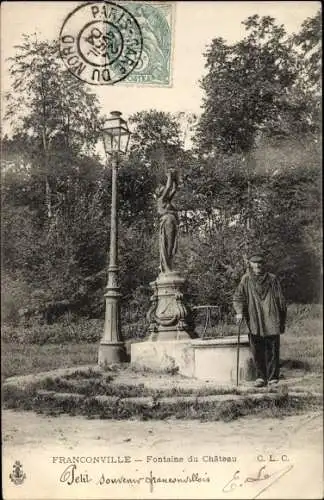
[{"x": 221, "y": 314}]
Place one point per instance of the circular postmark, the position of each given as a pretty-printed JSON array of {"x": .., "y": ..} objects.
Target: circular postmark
[{"x": 101, "y": 43}]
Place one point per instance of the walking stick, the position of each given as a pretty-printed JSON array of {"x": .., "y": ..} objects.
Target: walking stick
[{"x": 238, "y": 352}]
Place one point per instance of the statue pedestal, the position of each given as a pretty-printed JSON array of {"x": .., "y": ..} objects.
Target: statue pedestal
[{"x": 169, "y": 315}]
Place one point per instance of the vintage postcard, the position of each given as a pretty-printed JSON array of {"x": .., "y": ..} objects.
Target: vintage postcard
[{"x": 161, "y": 250}]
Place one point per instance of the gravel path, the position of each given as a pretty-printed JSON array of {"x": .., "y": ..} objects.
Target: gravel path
[{"x": 291, "y": 450}]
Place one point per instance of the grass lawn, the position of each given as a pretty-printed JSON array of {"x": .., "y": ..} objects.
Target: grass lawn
[
  {"x": 302, "y": 344},
  {"x": 23, "y": 359}
]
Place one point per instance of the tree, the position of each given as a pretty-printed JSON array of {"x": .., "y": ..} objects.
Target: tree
[
  {"x": 261, "y": 103},
  {"x": 155, "y": 146},
  {"x": 286, "y": 220},
  {"x": 308, "y": 87},
  {"x": 156, "y": 137},
  {"x": 55, "y": 122},
  {"x": 187, "y": 122},
  {"x": 308, "y": 41},
  {"x": 253, "y": 86},
  {"x": 50, "y": 110}
]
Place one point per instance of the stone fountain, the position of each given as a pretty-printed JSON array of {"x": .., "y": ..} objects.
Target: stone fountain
[{"x": 172, "y": 343}]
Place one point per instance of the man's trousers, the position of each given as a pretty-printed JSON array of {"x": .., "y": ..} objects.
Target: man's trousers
[{"x": 266, "y": 355}]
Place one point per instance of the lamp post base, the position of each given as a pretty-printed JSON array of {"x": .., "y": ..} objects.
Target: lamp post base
[{"x": 112, "y": 352}]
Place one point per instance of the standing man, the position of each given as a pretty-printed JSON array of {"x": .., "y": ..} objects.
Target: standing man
[{"x": 259, "y": 300}]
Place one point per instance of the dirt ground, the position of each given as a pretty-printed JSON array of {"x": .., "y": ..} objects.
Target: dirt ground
[{"x": 291, "y": 448}]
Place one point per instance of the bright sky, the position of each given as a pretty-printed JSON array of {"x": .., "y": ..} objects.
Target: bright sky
[{"x": 196, "y": 24}]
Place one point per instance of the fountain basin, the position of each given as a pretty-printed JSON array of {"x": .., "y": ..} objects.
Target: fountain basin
[{"x": 213, "y": 359}]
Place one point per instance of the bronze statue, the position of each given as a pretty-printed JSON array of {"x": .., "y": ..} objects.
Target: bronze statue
[
  {"x": 169, "y": 316},
  {"x": 168, "y": 222}
]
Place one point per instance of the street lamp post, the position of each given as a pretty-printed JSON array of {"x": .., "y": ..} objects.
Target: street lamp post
[{"x": 112, "y": 348}]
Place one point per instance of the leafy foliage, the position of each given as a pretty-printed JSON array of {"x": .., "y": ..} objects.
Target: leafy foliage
[
  {"x": 258, "y": 85},
  {"x": 252, "y": 180},
  {"x": 51, "y": 113},
  {"x": 47, "y": 102}
]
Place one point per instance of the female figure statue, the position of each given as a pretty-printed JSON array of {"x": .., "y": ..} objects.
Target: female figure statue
[{"x": 168, "y": 222}]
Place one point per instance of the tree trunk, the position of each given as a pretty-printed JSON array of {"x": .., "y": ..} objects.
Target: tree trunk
[
  {"x": 48, "y": 193},
  {"x": 248, "y": 222}
]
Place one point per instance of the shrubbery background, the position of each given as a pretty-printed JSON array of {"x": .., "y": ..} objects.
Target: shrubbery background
[{"x": 250, "y": 177}]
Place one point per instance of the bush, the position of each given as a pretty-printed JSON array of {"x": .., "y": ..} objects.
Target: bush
[
  {"x": 302, "y": 312},
  {"x": 15, "y": 294}
]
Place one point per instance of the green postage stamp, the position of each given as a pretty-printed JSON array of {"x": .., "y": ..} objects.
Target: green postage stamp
[
  {"x": 106, "y": 42},
  {"x": 156, "y": 21}
]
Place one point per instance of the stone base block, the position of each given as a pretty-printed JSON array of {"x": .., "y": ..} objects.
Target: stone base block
[
  {"x": 112, "y": 352},
  {"x": 164, "y": 356},
  {"x": 202, "y": 359},
  {"x": 216, "y": 359}
]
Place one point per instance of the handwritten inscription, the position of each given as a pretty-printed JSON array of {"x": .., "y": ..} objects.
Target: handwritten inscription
[
  {"x": 195, "y": 477},
  {"x": 238, "y": 481},
  {"x": 71, "y": 476},
  {"x": 262, "y": 477}
]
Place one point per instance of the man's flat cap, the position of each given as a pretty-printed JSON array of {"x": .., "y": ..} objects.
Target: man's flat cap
[{"x": 256, "y": 257}]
